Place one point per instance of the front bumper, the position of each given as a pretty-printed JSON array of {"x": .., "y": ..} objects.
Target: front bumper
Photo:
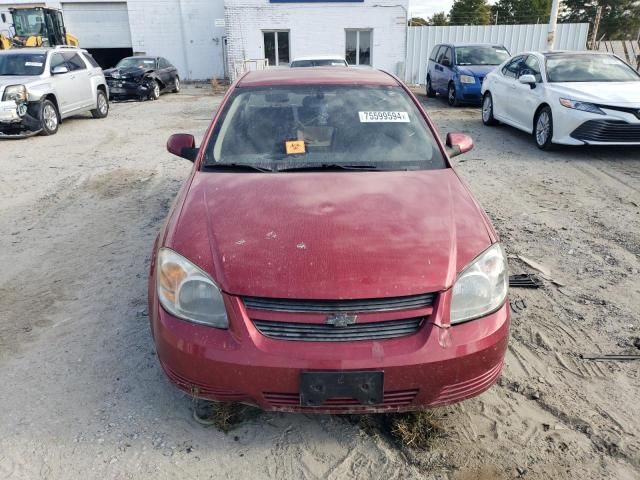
[
  {"x": 469, "y": 92},
  {"x": 122, "y": 89},
  {"x": 575, "y": 127},
  {"x": 435, "y": 366},
  {"x": 14, "y": 124}
]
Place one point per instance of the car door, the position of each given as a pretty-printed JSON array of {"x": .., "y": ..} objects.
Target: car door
[
  {"x": 438, "y": 69},
  {"x": 81, "y": 78},
  {"x": 526, "y": 99},
  {"x": 166, "y": 72},
  {"x": 431, "y": 64},
  {"x": 446, "y": 63},
  {"x": 63, "y": 84},
  {"x": 503, "y": 91}
]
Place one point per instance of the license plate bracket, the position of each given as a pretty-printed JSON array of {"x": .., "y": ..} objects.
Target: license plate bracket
[{"x": 367, "y": 387}]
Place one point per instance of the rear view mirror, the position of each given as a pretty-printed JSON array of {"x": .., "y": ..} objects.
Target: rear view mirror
[
  {"x": 183, "y": 145},
  {"x": 528, "y": 79},
  {"x": 59, "y": 70},
  {"x": 458, "y": 143}
]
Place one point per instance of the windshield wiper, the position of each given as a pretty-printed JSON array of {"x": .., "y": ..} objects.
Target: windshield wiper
[
  {"x": 235, "y": 167},
  {"x": 329, "y": 166}
]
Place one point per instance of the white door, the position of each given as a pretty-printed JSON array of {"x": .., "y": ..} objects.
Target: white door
[
  {"x": 98, "y": 25},
  {"x": 525, "y": 98},
  {"x": 506, "y": 92},
  {"x": 67, "y": 94}
]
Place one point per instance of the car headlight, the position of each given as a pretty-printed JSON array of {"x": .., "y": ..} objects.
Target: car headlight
[
  {"x": 187, "y": 292},
  {"x": 467, "y": 79},
  {"x": 584, "y": 106},
  {"x": 15, "y": 92},
  {"x": 482, "y": 286}
]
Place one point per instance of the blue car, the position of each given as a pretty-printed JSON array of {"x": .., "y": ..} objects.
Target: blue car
[{"x": 457, "y": 70}]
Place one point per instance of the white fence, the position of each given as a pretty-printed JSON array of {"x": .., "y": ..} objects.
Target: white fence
[
  {"x": 517, "y": 38},
  {"x": 628, "y": 50}
]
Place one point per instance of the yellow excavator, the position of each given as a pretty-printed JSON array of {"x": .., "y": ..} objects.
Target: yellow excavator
[{"x": 36, "y": 27}]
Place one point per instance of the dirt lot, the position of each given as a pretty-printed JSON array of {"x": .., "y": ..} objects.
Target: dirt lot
[{"x": 82, "y": 395}]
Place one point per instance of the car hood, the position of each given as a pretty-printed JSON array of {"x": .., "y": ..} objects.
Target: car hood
[
  {"x": 6, "y": 80},
  {"x": 476, "y": 70},
  {"x": 607, "y": 93},
  {"x": 330, "y": 235},
  {"x": 125, "y": 72}
]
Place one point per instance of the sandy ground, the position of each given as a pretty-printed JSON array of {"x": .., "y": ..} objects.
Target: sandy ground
[{"x": 82, "y": 395}]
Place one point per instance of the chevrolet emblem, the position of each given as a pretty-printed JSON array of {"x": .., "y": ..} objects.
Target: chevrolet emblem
[{"x": 341, "y": 319}]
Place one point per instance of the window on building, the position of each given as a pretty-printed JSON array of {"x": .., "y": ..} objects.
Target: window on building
[
  {"x": 358, "y": 47},
  {"x": 276, "y": 47}
]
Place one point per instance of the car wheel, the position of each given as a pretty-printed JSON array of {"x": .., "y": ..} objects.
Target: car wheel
[
  {"x": 543, "y": 129},
  {"x": 102, "y": 109},
  {"x": 487, "y": 110},
  {"x": 50, "y": 120},
  {"x": 154, "y": 90},
  {"x": 452, "y": 97},
  {"x": 176, "y": 86},
  {"x": 430, "y": 91}
]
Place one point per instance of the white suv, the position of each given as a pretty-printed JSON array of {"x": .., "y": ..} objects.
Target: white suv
[{"x": 41, "y": 86}]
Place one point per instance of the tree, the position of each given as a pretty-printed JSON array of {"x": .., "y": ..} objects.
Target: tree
[
  {"x": 470, "y": 12},
  {"x": 521, "y": 11},
  {"x": 439, "y": 19},
  {"x": 418, "y": 22},
  {"x": 620, "y": 18}
]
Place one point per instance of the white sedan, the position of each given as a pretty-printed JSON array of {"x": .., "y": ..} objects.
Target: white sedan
[{"x": 570, "y": 98}]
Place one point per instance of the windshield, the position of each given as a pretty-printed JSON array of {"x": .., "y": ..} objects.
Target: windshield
[
  {"x": 589, "y": 68},
  {"x": 481, "y": 55},
  {"x": 28, "y": 23},
  {"x": 319, "y": 63},
  {"x": 284, "y": 128},
  {"x": 146, "y": 63},
  {"x": 22, "y": 64}
]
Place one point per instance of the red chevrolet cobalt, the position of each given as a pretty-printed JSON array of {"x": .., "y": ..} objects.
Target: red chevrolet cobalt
[{"x": 323, "y": 255}]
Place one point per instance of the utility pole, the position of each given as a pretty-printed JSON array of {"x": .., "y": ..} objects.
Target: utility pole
[
  {"x": 497, "y": 13},
  {"x": 596, "y": 27},
  {"x": 553, "y": 22}
]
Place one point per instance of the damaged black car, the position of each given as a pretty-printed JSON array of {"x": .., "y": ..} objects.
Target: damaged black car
[{"x": 142, "y": 78}]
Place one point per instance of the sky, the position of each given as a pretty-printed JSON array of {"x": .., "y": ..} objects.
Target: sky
[{"x": 426, "y": 8}]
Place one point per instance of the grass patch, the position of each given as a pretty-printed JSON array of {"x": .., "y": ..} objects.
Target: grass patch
[
  {"x": 420, "y": 430},
  {"x": 225, "y": 416}
]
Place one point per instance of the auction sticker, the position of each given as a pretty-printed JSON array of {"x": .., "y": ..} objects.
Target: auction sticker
[
  {"x": 384, "y": 117},
  {"x": 33, "y": 64}
]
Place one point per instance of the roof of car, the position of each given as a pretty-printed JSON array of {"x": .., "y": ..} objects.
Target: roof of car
[
  {"x": 317, "y": 76},
  {"x": 463, "y": 44},
  {"x": 42, "y": 50}
]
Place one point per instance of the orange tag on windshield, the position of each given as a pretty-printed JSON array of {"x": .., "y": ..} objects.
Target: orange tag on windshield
[{"x": 294, "y": 147}]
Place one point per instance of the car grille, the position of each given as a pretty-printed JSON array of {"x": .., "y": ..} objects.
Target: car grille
[
  {"x": 607, "y": 131},
  {"x": 322, "y": 332},
  {"x": 398, "y": 398},
  {"x": 388, "y": 304}
]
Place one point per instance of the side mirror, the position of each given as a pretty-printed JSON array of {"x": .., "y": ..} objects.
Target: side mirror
[
  {"x": 528, "y": 79},
  {"x": 445, "y": 62},
  {"x": 183, "y": 145},
  {"x": 458, "y": 143},
  {"x": 59, "y": 70}
]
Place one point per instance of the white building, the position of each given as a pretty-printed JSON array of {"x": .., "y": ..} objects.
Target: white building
[
  {"x": 366, "y": 32},
  {"x": 189, "y": 33},
  {"x": 209, "y": 38}
]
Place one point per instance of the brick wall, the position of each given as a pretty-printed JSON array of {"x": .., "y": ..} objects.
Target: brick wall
[{"x": 316, "y": 29}]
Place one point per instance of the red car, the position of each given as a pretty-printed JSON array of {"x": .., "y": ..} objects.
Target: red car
[{"x": 324, "y": 256}]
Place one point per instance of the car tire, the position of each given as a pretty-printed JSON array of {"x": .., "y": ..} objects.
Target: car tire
[
  {"x": 154, "y": 90},
  {"x": 487, "y": 110},
  {"x": 49, "y": 118},
  {"x": 543, "y": 129},
  {"x": 103, "y": 106},
  {"x": 452, "y": 96},
  {"x": 430, "y": 91},
  {"x": 176, "y": 86}
]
